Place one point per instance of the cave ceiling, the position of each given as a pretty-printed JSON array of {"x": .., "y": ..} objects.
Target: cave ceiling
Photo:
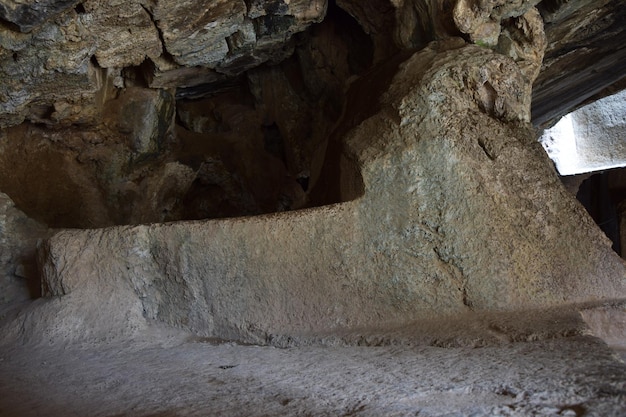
[
  {"x": 218, "y": 108},
  {"x": 57, "y": 53}
]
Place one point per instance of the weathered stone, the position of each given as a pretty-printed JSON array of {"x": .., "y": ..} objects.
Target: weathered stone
[
  {"x": 561, "y": 376},
  {"x": 145, "y": 116},
  {"x": 609, "y": 324},
  {"x": 47, "y": 75},
  {"x": 200, "y": 40},
  {"x": 123, "y": 31},
  {"x": 460, "y": 209},
  {"x": 513, "y": 28},
  {"x": 163, "y": 73},
  {"x": 100, "y": 176},
  {"x": 444, "y": 205},
  {"x": 228, "y": 36},
  {"x": 471, "y": 16},
  {"x": 589, "y": 139},
  {"x": 28, "y": 14},
  {"x": 61, "y": 191},
  {"x": 523, "y": 39},
  {"x": 586, "y": 53}
]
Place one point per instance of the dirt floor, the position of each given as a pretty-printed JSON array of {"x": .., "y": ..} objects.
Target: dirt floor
[{"x": 174, "y": 374}]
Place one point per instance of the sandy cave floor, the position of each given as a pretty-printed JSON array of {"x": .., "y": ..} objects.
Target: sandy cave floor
[{"x": 567, "y": 376}]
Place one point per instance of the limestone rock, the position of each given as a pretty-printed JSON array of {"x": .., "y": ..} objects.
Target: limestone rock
[
  {"x": 512, "y": 28},
  {"x": 589, "y": 139},
  {"x": 27, "y": 14},
  {"x": 228, "y": 35},
  {"x": 481, "y": 19},
  {"x": 95, "y": 177},
  {"x": 202, "y": 39},
  {"x": 123, "y": 31},
  {"x": 145, "y": 116},
  {"x": 563, "y": 376},
  {"x": 47, "y": 75},
  {"x": 586, "y": 53},
  {"x": 609, "y": 324},
  {"x": 460, "y": 210},
  {"x": 162, "y": 72},
  {"x": 524, "y": 40}
]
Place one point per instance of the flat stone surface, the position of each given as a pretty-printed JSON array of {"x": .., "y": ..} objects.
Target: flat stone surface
[{"x": 572, "y": 376}]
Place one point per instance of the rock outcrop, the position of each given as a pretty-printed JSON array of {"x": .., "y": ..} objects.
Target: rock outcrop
[
  {"x": 52, "y": 72},
  {"x": 408, "y": 121},
  {"x": 358, "y": 181},
  {"x": 456, "y": 208}
]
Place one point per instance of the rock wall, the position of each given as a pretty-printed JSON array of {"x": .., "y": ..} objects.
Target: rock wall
[
  {"x": 408, "y": 121},
  {"x": 159, "y": 117},
  {"x": 183, "y": 142},
  {"x": 589, "y": 139},
  {"x": 460, "y": 210},
  {"x": 51, "y": 63}
]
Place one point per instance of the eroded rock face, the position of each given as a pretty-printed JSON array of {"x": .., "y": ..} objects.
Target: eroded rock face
[
  {"x": 27, "y": 15},
  {"x": 47, "y": 75},
  {"x": 52, "y": 65},
  {"x": 585, "y": 55},
  {"x": 460, "y": 209},
  {"x": 123, "y": 32},
  {"x": 241, "y": 146},
  {"x": 191, "y": 110}
]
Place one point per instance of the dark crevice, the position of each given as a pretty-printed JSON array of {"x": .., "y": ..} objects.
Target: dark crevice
[
  {"x": 466, "y": 300},
  {"x": 211, "y": 89},
  {"x": 274, "y": 143},
  {"x": 602, "y": 198},
  {"x": 304, "y": 182},
  {"x": 361, "y": 46},
  {"x": 159, "y": 31},
  {"x": 483, "y": 146},
  {"x": 135, "y": 76}
]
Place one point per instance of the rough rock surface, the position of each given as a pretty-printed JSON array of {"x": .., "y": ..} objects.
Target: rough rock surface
[
  {"x": 28, "y": 14},
  {"x": 431, "y": 281},
  {"x": 48, "y": 74},
  {"x": 448, "y": 216},
  {"x": 123, "y": 32},
  {"x": 586, "y": 53}
]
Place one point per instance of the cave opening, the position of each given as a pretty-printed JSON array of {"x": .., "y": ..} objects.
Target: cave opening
[{"x": 587, "y": 149}]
